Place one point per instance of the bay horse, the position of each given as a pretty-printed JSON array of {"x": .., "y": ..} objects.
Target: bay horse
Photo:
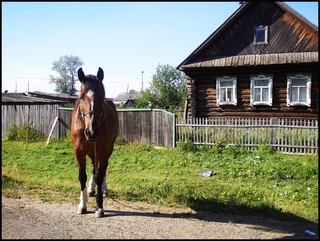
[{"x": 94, "y": 128}]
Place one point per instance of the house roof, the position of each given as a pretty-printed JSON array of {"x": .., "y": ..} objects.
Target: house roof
[
  {"x": 125, "y": 97},
  {"x": 198, "y": 60},
  {"x": 255, "y": 59},
  {"x": 36, "y": 98}
]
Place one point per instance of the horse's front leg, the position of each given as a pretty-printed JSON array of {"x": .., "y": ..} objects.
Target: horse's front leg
[
  {"x": 81, "y": 159},
  {"x": 98, "y": 177}
]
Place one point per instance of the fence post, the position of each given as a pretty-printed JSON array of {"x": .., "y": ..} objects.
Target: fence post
[
  {"x": 59, "y": 134},
  {"x": 273, "y": 139},
  {"x": 174, "y": 132}
]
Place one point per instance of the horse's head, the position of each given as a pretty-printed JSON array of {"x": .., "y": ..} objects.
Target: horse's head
[{"x": 91, "y": 99}]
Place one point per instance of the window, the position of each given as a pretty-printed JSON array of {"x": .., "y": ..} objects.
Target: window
[
  {"x": 261, "y": 35},
  {"x": 261, "y": 90},
  {"x": 226, "y": 90},
  {"x": 299, "y": 90}
]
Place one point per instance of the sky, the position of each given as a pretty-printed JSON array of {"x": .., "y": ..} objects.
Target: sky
[{"x": 128, "y": 40}]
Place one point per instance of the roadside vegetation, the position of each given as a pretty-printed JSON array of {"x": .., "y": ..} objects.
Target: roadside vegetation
[{"x": 261, "y": 182}]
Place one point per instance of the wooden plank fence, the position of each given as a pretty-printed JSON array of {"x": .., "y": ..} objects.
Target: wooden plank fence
[
  {"x": 299, "y": 136},
  {"x": 40, "y": 117},
  {"x": 159, "y": 127},
  {"x": 144, "y": 126},
  {"x": 147, "y": 126}
]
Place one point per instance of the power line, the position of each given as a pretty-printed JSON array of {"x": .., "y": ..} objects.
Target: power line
[
  {"x": 28, "y": 78},
  {"x": 21, "y": 77}
]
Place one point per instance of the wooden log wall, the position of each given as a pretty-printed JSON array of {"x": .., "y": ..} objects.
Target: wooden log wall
[{"x": 202, "y": 98}]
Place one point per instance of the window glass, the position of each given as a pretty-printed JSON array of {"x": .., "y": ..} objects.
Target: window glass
[
  {"x": 299, "y": 82},
  {"x": 222, "y": 94},
  {"x": 257, "y": 94},
  {"x": 295, "y": 94},
  {"x": 226, "y": 83},
  {"x": 229, "y": 94},
  {"x": 265, "y": 94},
  {"x": 262, "y": 82},
  {"x": 260, "y": 35},
  {"x": 303, "y": 94}
]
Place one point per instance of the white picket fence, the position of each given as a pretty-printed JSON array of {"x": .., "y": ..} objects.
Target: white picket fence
[{"x": 298, "y": 136}]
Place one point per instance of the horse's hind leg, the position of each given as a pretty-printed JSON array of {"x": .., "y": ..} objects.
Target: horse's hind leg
[
  {"x": 91, "y": 185},
  {"x": 104, "y": 187}
]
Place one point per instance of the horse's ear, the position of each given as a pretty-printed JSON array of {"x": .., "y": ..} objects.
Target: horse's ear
[
  {"x": 100, "y": 74},
  {"x": 81, "y": 75}
]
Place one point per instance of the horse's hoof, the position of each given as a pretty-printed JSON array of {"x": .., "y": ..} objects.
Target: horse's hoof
[
  {"x": 100, "y": 213},
  {"x": 91, "y": 194},
  {"x": 105, "y": 194},
  {"x": 82, "y": 210}
]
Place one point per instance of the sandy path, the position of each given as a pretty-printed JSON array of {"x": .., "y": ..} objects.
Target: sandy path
[{"x": 31, "y": 219}]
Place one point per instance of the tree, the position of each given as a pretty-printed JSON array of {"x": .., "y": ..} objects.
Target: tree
[
  {"x": 67, "y": 67},
  {"x": 167, "y": 89}
]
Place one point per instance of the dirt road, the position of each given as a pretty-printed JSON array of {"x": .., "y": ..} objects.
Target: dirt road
[{"x": 31, "y": 219}]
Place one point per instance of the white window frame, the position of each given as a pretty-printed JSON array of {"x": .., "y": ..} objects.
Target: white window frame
[
  {"x": 233, "y": 100},
  {"x": 290, "y": 78},
  {"x": 254, "y": 86},
  {"x": 266, "y": 35}
]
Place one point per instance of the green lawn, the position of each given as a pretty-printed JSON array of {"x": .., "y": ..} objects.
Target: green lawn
[{"x": 246, "y": 182}]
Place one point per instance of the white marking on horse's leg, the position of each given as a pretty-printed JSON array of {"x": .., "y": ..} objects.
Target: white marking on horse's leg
[
  {"x": 104, "y": 187},
  {"x": 82, "y": 207},
  {"x": 91, "y": 186},
  {"x": 99, "y": 213}
]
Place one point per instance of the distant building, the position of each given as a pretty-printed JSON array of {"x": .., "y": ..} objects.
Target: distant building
[{"x": 125, "y": 100}]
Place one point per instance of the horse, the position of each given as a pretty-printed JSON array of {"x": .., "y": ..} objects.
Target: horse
[{"x": 94, "y": 128}]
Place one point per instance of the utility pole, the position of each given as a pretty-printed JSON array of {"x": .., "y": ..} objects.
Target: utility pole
[{"x": 142, "y": 80}]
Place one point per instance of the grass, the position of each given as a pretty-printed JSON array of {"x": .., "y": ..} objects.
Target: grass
[{"x": 258, "y": 182}]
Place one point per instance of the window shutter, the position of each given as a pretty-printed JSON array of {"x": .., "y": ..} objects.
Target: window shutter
[
  {"x": 251, "y": 91},
  {"x": 218, "y": 91},
  {"x": 309, "y": 92},
  {"x": 288, "y": 92},
  {"x": 235, "y": 91},
  {"x": 270, "y": 91}
]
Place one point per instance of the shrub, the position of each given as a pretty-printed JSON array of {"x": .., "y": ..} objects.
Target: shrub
[
  {"x": 24, "y": 133},
  {"x": 121, "y": 141},
  {"x": 188, "y": 145}
]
